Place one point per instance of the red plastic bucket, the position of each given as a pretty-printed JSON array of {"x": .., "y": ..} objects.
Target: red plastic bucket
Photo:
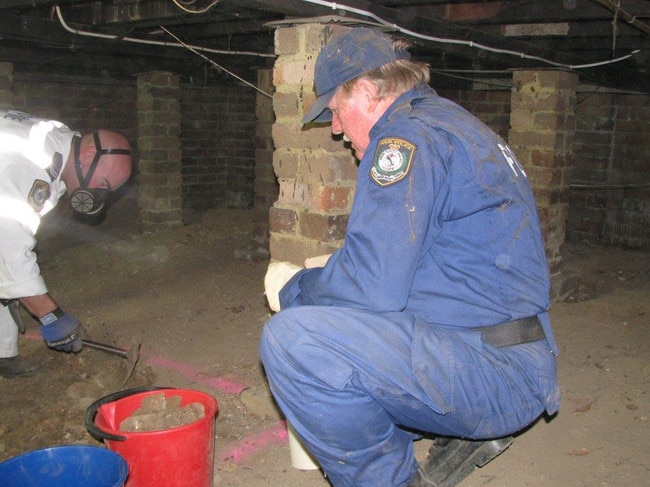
[{"x": 166, "y": 458}]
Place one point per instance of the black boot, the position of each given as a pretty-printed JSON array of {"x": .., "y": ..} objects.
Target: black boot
[
  {"x": 420, "y": 480},
  {"x": 18, "y": 366},
  {"x": 450, "y": 460}
]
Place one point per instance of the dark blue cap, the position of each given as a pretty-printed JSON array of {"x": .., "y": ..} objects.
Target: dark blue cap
[{"x": 345, "y": 58}]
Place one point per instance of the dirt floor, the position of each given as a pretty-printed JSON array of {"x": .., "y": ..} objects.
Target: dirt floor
[{"x": 193, "y": 298}]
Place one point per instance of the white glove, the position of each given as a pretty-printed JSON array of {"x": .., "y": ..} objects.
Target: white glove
[
  {"x": 277, "y": 275},
  {"x": 318, "y": 261}
]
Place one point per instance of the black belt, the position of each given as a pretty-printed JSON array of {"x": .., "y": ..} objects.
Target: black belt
[{"x": 514, "y": 332}]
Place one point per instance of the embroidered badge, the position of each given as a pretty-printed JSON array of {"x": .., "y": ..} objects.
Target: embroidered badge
[
  {"x": 38, "y": 195},
  {"x": 392, "y": 161}
]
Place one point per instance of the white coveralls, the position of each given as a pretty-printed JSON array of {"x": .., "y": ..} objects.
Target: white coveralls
[{"x": 33, "y": 152}]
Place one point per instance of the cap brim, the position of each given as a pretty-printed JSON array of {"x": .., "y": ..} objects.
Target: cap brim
[{"x": 319, "y": 111}]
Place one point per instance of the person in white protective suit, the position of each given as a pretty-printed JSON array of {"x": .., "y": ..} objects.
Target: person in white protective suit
[{"x": 39, "y": 161}]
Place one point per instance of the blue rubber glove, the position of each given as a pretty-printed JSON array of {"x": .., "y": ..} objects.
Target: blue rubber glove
[{"x": 61, "y": 331}]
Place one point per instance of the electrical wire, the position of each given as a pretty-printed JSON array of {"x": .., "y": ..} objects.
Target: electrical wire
[
  {"x": 151, "y": 42},
  {"x": 473, "y": 80},
  {"x": 217, "y": 65},
  {"x": 365, "y": 13},
  {"x": 629, "y": 18},
  {"x": 189, "y": 11},
  {"x": 609, "y": 186},
  {"x": 333, "y": 6}
]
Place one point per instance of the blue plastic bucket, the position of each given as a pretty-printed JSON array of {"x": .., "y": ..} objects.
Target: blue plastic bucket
[{"x": 65, "y": 466}]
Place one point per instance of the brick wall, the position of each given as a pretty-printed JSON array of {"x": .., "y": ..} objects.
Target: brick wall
[
  {"x": 82, "y": 104},
  {"x": 317, "y": 174},
  {"x": 266, "y": 184},
  {"x": 159, "y": 127},
  {"x": 612, "y": 151},
  {"x": 6, "y": 85},
  {"x": 218, "y": 132}
]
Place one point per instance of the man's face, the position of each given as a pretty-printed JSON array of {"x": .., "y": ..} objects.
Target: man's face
[
  {"x": 111, "y": 172},
  {"x": 353, "y": 115}
]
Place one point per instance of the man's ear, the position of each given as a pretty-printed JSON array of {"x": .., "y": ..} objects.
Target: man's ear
[
  {"x": 87, "y": 151},
  {"x": 368, "y": 91}
]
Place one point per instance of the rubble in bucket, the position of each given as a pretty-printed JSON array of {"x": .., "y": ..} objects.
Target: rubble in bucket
[{"x": 158, "y": 412}]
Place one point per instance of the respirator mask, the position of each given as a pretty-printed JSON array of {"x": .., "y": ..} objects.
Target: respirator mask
[{"x": 85, "y": 200}]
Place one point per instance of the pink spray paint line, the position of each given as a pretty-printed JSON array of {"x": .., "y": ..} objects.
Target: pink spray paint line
[
  {"x": 275, "y": 435},
  {"x": 187, "y": 371}
]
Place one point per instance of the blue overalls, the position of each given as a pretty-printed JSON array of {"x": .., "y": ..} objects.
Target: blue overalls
[{"x": 443, "y": 238}]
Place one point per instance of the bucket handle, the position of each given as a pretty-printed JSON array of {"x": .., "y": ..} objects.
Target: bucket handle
[{"x": 91, "y": 412}]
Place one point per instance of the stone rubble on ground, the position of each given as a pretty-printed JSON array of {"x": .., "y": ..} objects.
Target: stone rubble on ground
[{"x": 158, "y": 412}]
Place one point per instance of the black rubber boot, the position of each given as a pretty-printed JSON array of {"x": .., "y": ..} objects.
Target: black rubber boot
[
  {"x": 450, "y": 460},
  {"x": 18, "y": 367},
  {"x": 420, "y": 480}
]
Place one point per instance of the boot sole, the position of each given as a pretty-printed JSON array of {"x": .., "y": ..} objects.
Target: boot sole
[{"x": 486, "y": 452}]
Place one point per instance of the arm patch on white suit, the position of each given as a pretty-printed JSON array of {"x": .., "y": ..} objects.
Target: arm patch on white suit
[
  {"x": 392, "y": 161},
  {"x": 38, "y": 195}
]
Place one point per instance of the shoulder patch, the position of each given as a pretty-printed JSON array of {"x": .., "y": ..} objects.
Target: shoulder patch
[
  {"x": 38, "y": 195},
  {"x": 392, "y": 161}
]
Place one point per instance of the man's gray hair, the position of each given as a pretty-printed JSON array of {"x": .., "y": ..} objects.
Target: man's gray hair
[{"x": 397, "y": 77}]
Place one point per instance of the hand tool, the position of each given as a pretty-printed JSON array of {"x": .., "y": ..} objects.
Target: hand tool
[{"x": 132, "y": 355}]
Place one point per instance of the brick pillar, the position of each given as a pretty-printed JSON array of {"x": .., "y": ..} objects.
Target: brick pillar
[
  {"x": 159, "y": 161},
  {"x": 6, "y": 85},
  {"x": 542, "y": 131},
  {"x": 317, "y": 174},
  {"x": 266, "y": 184}
]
